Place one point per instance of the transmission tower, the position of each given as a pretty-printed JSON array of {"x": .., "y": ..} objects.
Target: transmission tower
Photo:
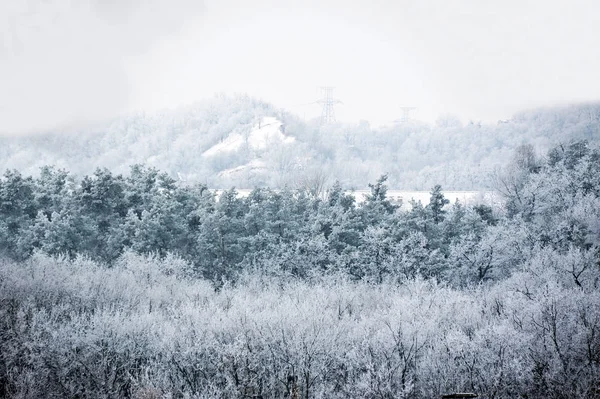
[
  {"x": 406, "y": 113},
  {"x": 328, "y": 113}
]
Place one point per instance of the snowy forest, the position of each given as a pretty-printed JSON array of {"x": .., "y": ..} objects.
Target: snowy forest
[
  {"x": 135, "y": 284},
  {"x": 299, "y": 199}
]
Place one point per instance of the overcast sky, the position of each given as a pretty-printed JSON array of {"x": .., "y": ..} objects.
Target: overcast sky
[{"x": 65, "y": 62}]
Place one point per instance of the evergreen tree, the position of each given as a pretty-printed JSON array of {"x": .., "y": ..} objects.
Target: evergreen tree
[{"x": 436, "y": 205}]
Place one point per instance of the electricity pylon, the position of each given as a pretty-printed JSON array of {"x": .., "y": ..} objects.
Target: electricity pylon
[
  {"x": 406, "y": 113},
  {"x": 328, "y": 113}
]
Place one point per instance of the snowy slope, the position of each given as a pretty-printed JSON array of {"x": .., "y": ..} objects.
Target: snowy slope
[
  {"x": 254, "y": 166},
  {"x": 268, "y": 131}
]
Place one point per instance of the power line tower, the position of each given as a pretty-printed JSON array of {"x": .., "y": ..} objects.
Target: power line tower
[
  {"x": 328, "y": 113},
  {"x": 406, "y": 113}
]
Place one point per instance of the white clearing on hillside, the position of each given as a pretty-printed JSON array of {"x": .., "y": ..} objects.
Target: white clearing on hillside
[
  {"x": 268, "y": 131},
  {"x": 254, "y": 166}
]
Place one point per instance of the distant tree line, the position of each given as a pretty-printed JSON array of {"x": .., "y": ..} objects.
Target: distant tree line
[{"x": 416, "y": 155}]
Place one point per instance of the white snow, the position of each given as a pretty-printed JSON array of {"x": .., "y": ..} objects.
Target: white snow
[
  {"x": 232, "y": 143},
  {"x": 254, "y": 165},
  {"x": 489, "y": 198},
  {"x": 268, "y": 131}
]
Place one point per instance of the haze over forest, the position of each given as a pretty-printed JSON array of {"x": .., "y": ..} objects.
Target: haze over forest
[
  {"x": 243, "y": 142},
  {"x": 131, "y": 265}
]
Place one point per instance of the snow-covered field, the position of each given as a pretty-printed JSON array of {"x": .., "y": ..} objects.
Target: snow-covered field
[
  {"x": 465, "y": 197},
  {"x": 489, "y": 198}
]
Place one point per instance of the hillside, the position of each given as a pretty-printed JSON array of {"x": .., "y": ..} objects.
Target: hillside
[{"x": 244, "y": 142}]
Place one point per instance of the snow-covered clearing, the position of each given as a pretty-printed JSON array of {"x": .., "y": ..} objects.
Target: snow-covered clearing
[{"x": 268, "y": 131}]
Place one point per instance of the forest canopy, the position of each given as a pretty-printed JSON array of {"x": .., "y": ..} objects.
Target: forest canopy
[{"x": 549, "y": 202}]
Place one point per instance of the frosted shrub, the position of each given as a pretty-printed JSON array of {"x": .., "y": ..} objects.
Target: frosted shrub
[{"x": 140, "y": 328}]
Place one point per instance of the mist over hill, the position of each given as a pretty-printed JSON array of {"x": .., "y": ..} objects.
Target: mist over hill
[{"x": 244, "y": 142}]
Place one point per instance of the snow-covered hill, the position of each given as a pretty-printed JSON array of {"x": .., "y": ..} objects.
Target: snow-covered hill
[
  {"x": 219, "y": 142},
  {"x": 244, "y": 142}
]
